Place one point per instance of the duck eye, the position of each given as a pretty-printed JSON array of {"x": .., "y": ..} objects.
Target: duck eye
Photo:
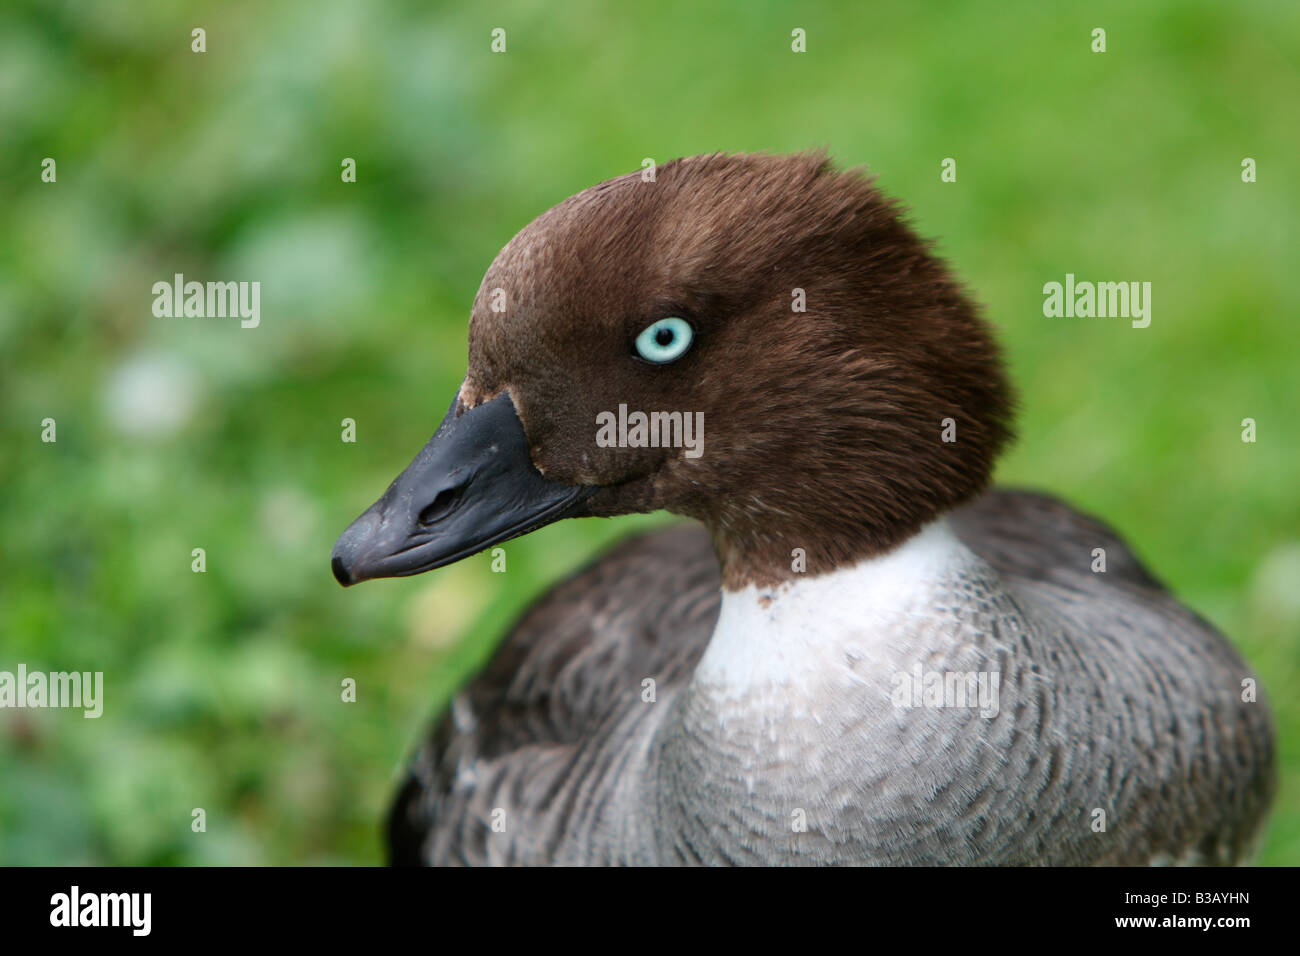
[{"x": 665, "y": 341}]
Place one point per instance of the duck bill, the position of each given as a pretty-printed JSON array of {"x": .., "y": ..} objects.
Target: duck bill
[{"x": 472, "y": 486}]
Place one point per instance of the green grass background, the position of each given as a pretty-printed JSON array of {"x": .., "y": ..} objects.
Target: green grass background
[{"x": 223, "y": 688}]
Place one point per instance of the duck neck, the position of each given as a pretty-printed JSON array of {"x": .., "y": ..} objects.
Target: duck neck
[
  {"x": 766, "y": 551},
  {"x": 796, "y": 692},
  {"x": 772, "y": 640}
]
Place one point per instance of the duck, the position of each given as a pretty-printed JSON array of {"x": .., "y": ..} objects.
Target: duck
[{"x": 855, "y": 651}]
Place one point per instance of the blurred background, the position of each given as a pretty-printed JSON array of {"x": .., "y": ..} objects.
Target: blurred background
[{"x": 222, "y": 689}]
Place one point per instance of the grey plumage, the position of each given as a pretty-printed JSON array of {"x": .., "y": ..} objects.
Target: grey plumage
[{"x": 1116, "y": 699}]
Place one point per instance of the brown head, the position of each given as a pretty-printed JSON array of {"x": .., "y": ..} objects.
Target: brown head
[{"x": 782, "y": 304}]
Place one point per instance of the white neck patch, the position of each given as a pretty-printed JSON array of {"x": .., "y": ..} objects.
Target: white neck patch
[{"x": 793, "y": 636}]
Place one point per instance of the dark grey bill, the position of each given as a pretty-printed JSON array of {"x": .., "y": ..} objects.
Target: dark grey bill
[{"x": 472, "y": 486}]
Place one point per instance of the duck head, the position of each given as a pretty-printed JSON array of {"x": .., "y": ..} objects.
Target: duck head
[{"x": 847, "y": 390}]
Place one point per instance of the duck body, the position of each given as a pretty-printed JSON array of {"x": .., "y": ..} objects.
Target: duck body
[
  {"x": 1111, "y": 744},
  {"x": 859, "y": 655}
]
